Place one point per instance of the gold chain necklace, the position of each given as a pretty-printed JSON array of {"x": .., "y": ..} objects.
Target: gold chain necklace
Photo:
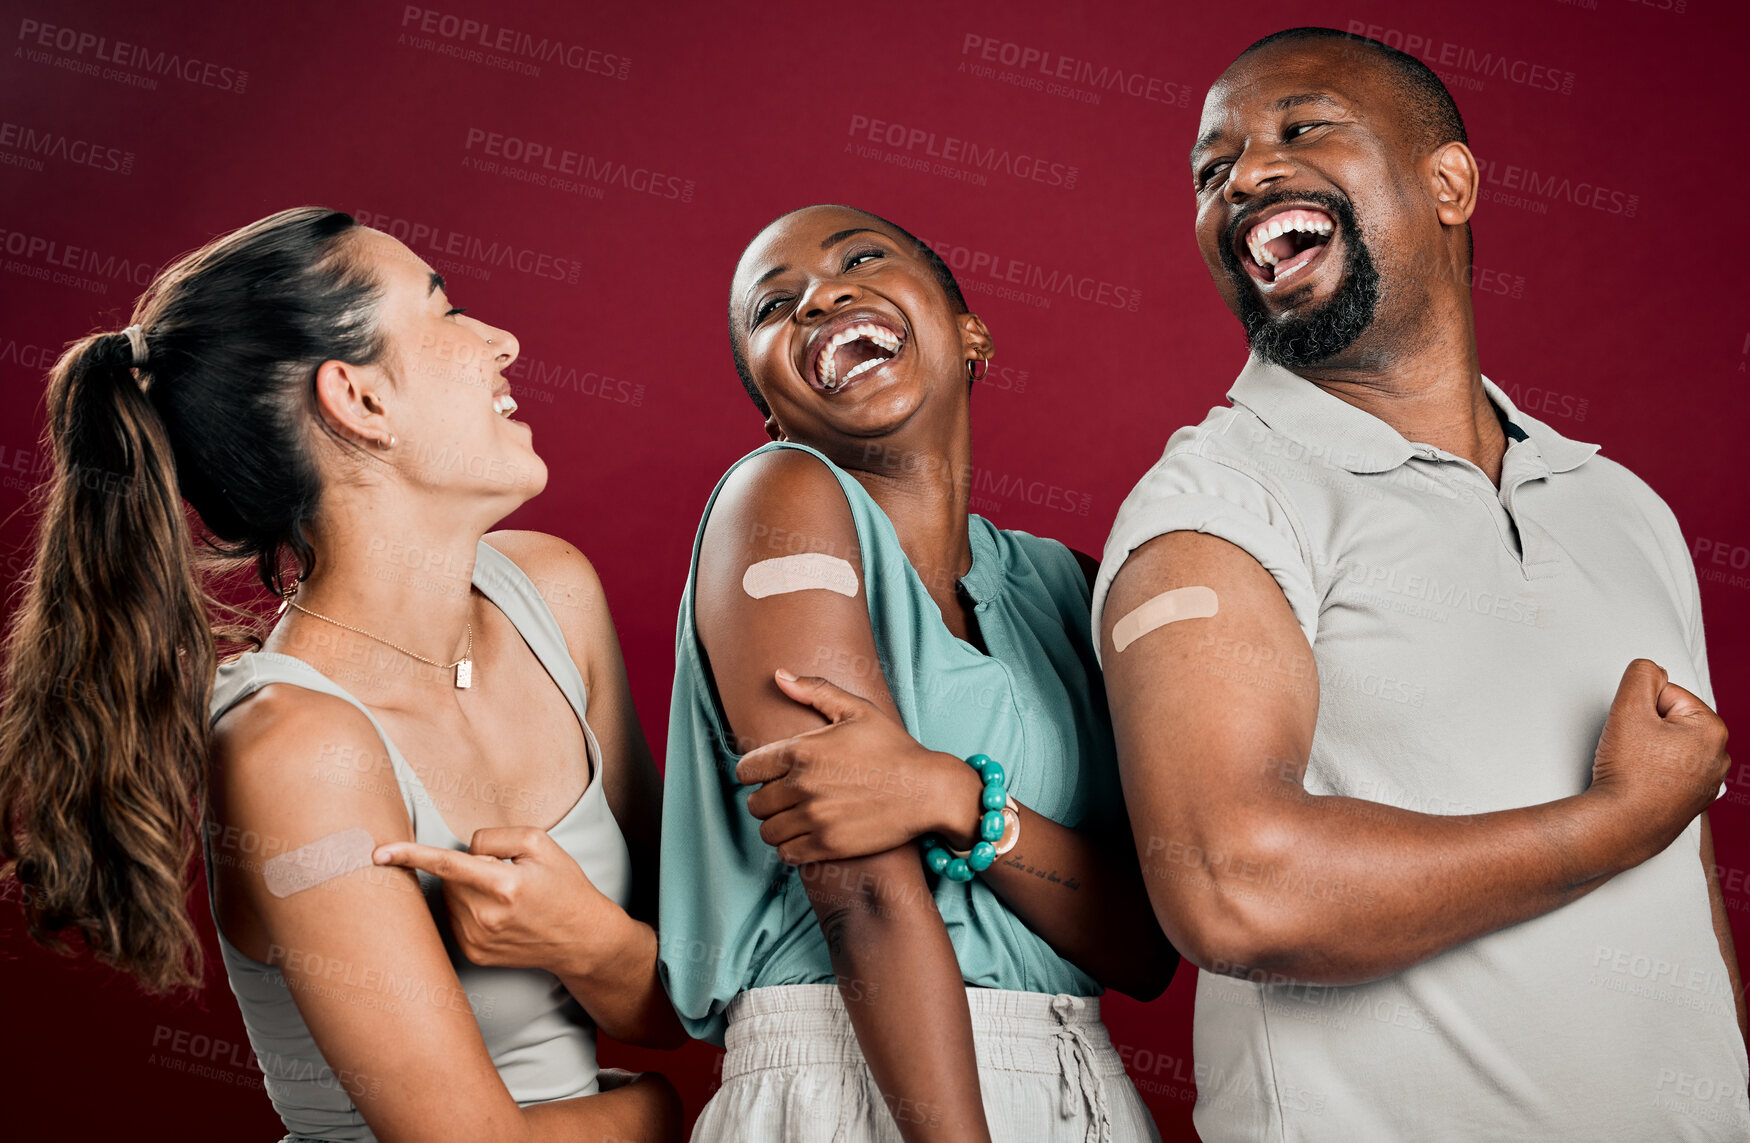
[{"x": 464, "y": 667}]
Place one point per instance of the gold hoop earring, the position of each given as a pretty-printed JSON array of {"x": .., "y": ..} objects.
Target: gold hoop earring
[{"x": 973, "y": 372}]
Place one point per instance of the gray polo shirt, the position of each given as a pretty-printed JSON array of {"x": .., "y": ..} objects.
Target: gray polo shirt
[{"x": 1468, "y": 642}]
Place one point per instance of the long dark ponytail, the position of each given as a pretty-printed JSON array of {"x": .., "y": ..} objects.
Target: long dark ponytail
[{"x": 110, "y": 657}]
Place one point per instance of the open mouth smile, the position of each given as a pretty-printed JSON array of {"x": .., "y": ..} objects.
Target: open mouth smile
[
  {"x": 1284, "y": 244},
  {"x": 849, "y": 347}
]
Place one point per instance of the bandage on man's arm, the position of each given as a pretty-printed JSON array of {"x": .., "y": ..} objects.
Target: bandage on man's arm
[
  {"x": 896, "y": 967},
  {"x": 1213, "y": 755}
]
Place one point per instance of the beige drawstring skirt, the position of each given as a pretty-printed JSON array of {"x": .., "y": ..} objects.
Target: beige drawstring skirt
[{"x": 793, "y": 1073}]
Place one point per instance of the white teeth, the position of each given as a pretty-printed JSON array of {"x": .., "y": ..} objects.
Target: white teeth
[
  {"x": 1278, "y": 226},
  {"x": 1290, "y": 271},
  {"x": 828, "y": 367},
  {"x": 504, "y": 404}
]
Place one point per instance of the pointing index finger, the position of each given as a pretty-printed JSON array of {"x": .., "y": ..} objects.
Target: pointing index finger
[{"x": 449, "y": 864}]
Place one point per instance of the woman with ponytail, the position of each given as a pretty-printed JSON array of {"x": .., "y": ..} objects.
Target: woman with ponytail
[{"x": 306, "y": 387}]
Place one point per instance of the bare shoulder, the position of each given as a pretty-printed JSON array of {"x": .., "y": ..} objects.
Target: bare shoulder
[
  {"x": 778, "y": 503},
  {"x": 780, "y": 584},
  {"x": 566, "y": 580},
  {"x": 280, "y": 724},
  {"x": 782, "y": 469},
  {"x": 293, "y": 765},
  {"x": 561, "y": 572}
]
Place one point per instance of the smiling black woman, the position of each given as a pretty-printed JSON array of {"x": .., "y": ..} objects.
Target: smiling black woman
[
  {"x": 1442, "y": 884},
  {"x": 960, "y": 1010}
]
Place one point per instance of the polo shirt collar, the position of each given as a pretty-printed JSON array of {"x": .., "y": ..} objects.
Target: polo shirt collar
[
  {"x": 1559, "y": 453},
  {"x": 1359, "y": 441}
]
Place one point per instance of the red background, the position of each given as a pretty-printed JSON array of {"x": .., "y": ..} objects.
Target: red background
[{"x": 1615, "y": 313}]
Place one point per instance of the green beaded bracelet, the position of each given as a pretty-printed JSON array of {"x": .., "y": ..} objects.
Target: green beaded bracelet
[{"x": 990, "y": 826}]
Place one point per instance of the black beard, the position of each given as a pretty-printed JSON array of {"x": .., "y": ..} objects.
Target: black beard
[{"x": 1310, "y": 336}]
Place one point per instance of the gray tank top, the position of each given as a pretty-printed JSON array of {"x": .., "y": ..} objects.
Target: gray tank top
[{"x": 540, "y": 1039}]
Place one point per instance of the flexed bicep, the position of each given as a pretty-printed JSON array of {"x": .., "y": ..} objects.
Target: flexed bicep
[{"x": 1214, "y": 698}]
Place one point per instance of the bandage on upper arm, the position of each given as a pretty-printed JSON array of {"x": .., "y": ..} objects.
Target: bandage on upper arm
[
  {"x": 322, "y": 860},
  {"x": 805, "y": 571},
  {"x": 1168, "y": 607}
]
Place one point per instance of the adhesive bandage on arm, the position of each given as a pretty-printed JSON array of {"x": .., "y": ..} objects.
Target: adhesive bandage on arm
[
  {"x": 806, "y": 571},
  {"x": 322, "y": 860},
  {"x": 1167, "y": 607}
]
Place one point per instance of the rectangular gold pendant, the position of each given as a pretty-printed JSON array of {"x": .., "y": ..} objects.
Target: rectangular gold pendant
[{"x": 464, "y": 674}]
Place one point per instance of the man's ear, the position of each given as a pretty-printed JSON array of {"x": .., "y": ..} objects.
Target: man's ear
[
  {"x": 772, "y": 428},
  {"x": 348, "y": 397},
  {"x": 975, "y": 341},
  {"x": 1455, "y": 180}
]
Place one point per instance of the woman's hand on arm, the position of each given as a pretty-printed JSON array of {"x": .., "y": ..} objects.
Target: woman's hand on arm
[
  {"x": 517, "y": 899},
  {"x": 861, "y": 785},
  {"x": 612, "y": 967},
  {"x": 858, "y": 786},
  {"x": 896, "y": 968},
  {"x": 360, "y": 954}
]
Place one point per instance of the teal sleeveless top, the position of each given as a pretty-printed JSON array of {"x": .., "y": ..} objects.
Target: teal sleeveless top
[
  {"x": 539, "y": 1037},
  {"x": 733, "y": 917}
]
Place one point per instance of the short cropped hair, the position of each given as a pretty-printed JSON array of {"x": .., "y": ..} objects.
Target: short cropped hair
[{"x": 1430, "y": 105}]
